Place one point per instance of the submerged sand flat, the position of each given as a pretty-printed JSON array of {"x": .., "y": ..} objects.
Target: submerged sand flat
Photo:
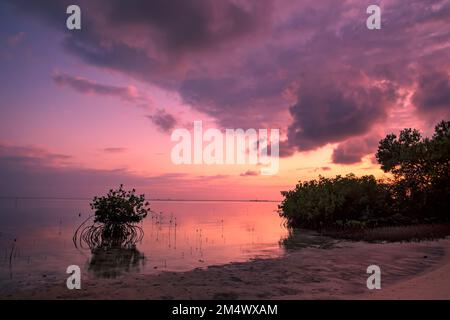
[{"x": 408, "y": 270}]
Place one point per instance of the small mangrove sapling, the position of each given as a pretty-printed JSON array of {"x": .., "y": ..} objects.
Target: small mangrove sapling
[{"x": 115, "y": 220}]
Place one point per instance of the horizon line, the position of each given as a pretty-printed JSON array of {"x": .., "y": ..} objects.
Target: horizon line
[{"x": 151, "y": 199}]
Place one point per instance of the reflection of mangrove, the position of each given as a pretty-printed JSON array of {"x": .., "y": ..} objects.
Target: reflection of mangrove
[
  {"x": 301, "y": 238},
  {"x": 113, "y": 248},
  {"x": 110, "y": 262}
]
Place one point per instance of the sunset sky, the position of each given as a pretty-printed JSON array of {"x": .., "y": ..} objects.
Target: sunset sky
[{"x": 85, "y": 110}]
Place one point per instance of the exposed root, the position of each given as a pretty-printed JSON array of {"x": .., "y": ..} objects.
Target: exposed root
[{"x": 106, "y": 235}]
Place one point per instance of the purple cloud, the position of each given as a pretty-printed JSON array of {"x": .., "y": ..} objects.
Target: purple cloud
[
  {"x": 433, "y": 92},
  {"x": 249, "y": 173},
  {"x": 329, "y": 111},
  {"x": 86, "y": 86},
  {"x": 353, "y": 150},
  {"x": 310, "y": 68},
  {"x": 164, "y": 121}
]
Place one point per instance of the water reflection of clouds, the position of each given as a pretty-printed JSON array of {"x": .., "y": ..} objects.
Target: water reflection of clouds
[{"x": 186, "y": 236}]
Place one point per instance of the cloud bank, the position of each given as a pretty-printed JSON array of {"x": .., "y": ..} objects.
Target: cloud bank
[{"x": 310, "y": 68}]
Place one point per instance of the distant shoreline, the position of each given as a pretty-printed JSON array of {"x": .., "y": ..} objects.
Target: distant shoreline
[{"x": 154, "y": 199}]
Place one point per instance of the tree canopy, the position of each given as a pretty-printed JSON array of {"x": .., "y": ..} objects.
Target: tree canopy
[{"x": 418, "y": 192}]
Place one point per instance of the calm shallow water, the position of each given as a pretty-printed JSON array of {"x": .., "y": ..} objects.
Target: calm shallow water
[{"x": 36, "y": 239}]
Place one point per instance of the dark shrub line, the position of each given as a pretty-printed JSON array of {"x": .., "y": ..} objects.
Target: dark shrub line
[{"x": 419, "y": 192}]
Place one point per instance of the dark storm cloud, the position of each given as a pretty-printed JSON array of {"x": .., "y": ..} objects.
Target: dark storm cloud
[
  {"x": 233, "y": 103},
  {"x": 52, "y": 11},
  {"x": 194, "y": 24},
  {"x": 433, "y": 92},
  {"x": 163, "y": 121},
  {"x": 235, "y": 60},
  {"x": 353, "y": 150},
  {"x": 116, "y": 56},
  {"x": 347, "y": 155},
  {"x": 173, "y": 27},
  {"x": 328, "y": 112}
]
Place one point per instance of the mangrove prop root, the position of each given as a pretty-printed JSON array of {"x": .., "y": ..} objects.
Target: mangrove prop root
[{"x": 106, "y": 235}]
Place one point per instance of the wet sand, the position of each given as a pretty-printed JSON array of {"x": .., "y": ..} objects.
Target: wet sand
[{"x": 337, "y": 271}]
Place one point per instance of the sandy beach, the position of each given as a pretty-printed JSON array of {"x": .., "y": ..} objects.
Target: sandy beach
[
  {"x": 338, "y": 271},
  {"x": 431, "y": 285}
]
